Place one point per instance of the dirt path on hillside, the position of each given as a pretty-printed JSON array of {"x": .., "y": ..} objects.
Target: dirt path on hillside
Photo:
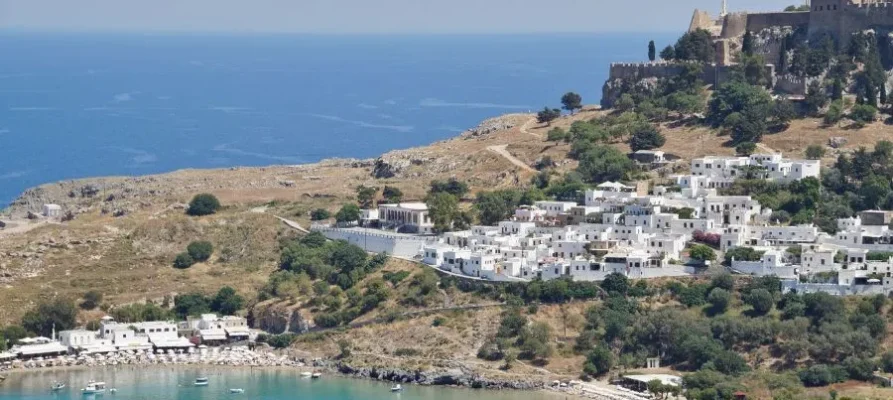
[
  {"x": 525, "y": 128},
  {"x": 500, "y": 149}
]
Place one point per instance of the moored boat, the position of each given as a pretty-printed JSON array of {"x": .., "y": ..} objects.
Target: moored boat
[
  {"x": 237, "y": 391},
  {"x": 94, "y": 388},
  {"x": 202, "y": 381},
  {"x": 397, "y": 388}
]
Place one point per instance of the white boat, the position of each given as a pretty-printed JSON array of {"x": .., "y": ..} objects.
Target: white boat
[
  {"x": 397, "y": 388},
  {"x": 306, "y": 374},
  {"x": 316, "y": 375},
  {"x": 203, "y": 381},
  {"x": 237, "y": 391},
  {"x": 94, "y": 388},
  {"x": 58, "y": 386}
]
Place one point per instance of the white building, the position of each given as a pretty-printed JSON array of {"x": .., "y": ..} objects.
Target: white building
[
  {"x": 405, "y": 217},
  {"x": 52, "y": 210}
]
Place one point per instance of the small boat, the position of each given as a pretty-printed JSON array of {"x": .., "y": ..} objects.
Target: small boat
[
  {"x": 316, "y": 375},
  {"x": 397, "y": 388},
  {"x": 113, "y": 390},
  {"x": 203, "y": 381},
  {"x": 58, "y": 386},
  {"x": 306, "y": 374},
  {"x": 94, "y": 388},
  {"x": 237, "y": 391}
]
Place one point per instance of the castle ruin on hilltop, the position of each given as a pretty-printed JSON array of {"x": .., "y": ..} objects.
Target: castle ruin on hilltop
[{"x": 838, "y": 19}]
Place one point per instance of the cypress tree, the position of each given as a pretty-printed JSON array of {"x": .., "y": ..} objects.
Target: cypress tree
[
  {"x": 652, "y": 51},
  {"x": 747, "y": 44}
]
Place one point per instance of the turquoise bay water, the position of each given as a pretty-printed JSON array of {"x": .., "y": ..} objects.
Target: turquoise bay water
[{"x": 175, "y": 383}]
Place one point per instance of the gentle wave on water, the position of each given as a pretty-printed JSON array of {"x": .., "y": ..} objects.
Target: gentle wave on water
[{"x": 84, "y": 105}]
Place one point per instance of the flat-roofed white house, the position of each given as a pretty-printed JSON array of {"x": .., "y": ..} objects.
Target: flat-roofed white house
[
  {"x": 52, "y": 210},
  {"x": 406, "y": 217}
]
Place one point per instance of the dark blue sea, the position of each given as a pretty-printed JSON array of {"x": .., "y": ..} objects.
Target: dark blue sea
[{"x": 80, "y": 105}]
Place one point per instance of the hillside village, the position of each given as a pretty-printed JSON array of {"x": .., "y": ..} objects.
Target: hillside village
[{"x": 718, "y": 219}]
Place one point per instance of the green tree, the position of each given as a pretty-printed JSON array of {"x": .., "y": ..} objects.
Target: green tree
[
  {"x": 392, "y": 194},
  {"x": 616, "y": 283},
  {"x": 695, "y": 46},
  {"x": 443, "y": 208},
  {"x": 605, "y": 163},
  {"x": 702, "y": 252},
  {"x": 203, "y": 204},
  {"x": 782, "y": 113},
  {"x": 887, "y": 361},
  {"x": 835, "y": 113},
  {"x": 668, "y": 53},
  {"x": 320, "y": 214},
  {"x": 599, "y": 361},
  {"x": 548, "y": 115},
  {"x": 348, "y": 213},
  {"x": 366, "y": 196},
  {"x": 59, "y": 313},
  {"x": 626, "y": 102},
  {"x": 183, "y": 261},
  {"x": 227, "y": 301},
  {"x": 652, "y": 51},
  {"x": 571, "y": 102},
  {"x": 534, "y": 340},
  {"x": 496, "y": 206},
  {"x": 815, "y": 152},
  {"x": 191, "y": 304},
  {"x": 747, "y": 43},
  {"x": 91, "y": 300},
  {"x": 12, "y": 334},
  {"x": 863, "y": 114},
  {"x": 746, "y": 149},
  {"x": 760, "y": 300},
  {"x": 556, "y": 135},
  {"x": 719, "y": 300},
  {"x": 646, "y": 137},
  {"x": 742, "y": 109},
  {"x": 816, "y": 98},
  {"x": 451, "y": 186},
  {"x": 200, "y": 250}
]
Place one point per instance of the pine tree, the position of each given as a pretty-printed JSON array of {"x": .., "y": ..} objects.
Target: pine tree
[
  {"x": 747, "y": 44},
  {"x": 652, "y": 51}
]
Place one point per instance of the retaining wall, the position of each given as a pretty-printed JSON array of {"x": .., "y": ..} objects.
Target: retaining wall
[{"x": 375, "y": 241}]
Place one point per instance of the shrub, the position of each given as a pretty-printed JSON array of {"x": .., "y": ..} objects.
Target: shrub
[
  {"x": 719, "y": 299},
  {"x": 406, "y": 352},
  {"x": 815, "y": 152},
  {"x": 438, "y": 321},
  {"x": 91, "y": 300},
  {"x": 834, "y": 113},
  {"x": 183, "y": 261},
  {"x": 746, "y": 149},
  {"x": 281, "y": 341},
  {"x": 556, "y": 135},
  {"x": 320, "y": 214},
  {"x": 862, "y": 114},
  {"x": 348, "y": 213},
  {"x": 598, "y": 362},
  {"x": 822, "y": 375},
  {"x": 203, "y": 204},
  {"x": 327, "y": 320},
  {"x": 761, "y": 300},
  {"x": 200, "y": 251}
]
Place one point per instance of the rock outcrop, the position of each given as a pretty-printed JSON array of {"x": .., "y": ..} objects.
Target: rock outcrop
[{"x": 457, "y": 376}]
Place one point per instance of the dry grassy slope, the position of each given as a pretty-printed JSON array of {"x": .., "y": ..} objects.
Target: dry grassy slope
[{"x": 129, "y": 257}]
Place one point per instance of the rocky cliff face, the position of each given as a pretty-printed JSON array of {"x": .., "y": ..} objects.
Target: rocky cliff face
[
  {"x": 278, "y": 318},
  {"x": 614, "y": 88}
]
